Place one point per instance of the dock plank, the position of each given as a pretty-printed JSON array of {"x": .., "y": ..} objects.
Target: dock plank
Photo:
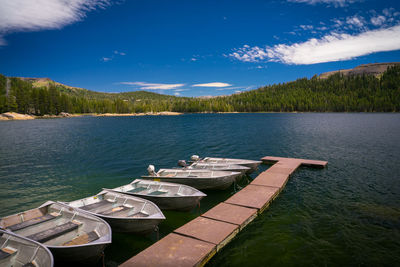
[
  {"x": 306, "y": 162},
  {"x": 174, "y": 250},
  {"x": 254, "y": 196},
  {"x": 282, "y": 169},
  {"x": 234, "y": 214},
  {"x": 271, "y": 179},
  {"x": 209, "y": 230}
]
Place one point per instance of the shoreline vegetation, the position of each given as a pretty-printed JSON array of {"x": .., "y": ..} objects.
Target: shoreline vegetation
[{"x": 340, "y": 92}]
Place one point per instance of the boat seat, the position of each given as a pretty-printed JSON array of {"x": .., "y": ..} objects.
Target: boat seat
[
  {"x": 137, "y": 189},
  {"x": 157, "y": 193},
  {"x": 33, "y": 221},
  {"x": 54, "y": 232},
  {"x": 114, "y": 210},
  {"x": 29, "y": 264},
  {"x": 83, "y": 239},
  {"x": 95, "y": 205},
  {"x": 6, "y": 252}
]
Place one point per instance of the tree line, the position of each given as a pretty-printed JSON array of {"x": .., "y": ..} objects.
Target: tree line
[{"x": 337, "y": 93}]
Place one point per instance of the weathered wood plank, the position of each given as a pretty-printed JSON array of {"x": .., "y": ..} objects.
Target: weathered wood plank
[
  {"x": 54, "y": 232},
  {"x": 83, "y": 239},
  {"x": 31, "y": 222}
]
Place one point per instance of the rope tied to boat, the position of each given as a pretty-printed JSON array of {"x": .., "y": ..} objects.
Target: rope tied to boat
[{"x": 157, "y": 230}]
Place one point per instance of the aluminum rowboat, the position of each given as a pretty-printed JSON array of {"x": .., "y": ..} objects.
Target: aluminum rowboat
[
  {"x": 124, "y": 213},
  {"x": 199, "y": 179},
  {"x": 167, "y": 196},
  {"x": 19, "y": 251},
  {"x": 71, "y": 235}
]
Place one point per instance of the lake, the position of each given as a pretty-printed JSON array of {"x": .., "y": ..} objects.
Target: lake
[{"x": 346, "y": 214}]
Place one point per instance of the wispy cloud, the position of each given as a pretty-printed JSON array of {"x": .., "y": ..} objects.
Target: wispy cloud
[
  {"x": 27, "y": 15},
  {"x": 240, "y": 88},
  {"x": 307, "y": 27},
  {"x": 332, "y": 47},
  {"x": 115, "y": 54},
  {"x": 105, "y": 59},
  {"x": 153, "y": 86},
  {"x": 213, "y": 84},
  {"x": 335, "y": 3}
]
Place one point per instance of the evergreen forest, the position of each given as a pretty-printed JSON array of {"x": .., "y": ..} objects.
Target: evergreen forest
[{"x": 337, "y": 93}]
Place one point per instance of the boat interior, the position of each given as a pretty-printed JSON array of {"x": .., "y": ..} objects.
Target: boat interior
[
  {"x": 56, "y": 225},
  {"x": 190, "y": 173},
  {"x": 18, "y": 252},
  {"x": 157, "y": 189},
  {"x": 116, "y": 205}
]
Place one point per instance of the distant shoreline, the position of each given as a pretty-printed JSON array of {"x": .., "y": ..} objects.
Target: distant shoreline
[
  {"x": 9, "y": 116},
  {"x": 16, "y": 116}
]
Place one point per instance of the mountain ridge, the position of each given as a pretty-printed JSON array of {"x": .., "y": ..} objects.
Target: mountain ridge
[{"x": 375, "y": 69}]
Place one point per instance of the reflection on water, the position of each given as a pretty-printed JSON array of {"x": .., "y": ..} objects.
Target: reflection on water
[{"x": 347, "y": 214}]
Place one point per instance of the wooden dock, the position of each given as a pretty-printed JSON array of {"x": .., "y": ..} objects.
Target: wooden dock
[{"x": 196, "y": 242}]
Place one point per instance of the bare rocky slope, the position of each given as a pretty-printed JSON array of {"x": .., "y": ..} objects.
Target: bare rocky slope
[{"x": 372, "y": 69}]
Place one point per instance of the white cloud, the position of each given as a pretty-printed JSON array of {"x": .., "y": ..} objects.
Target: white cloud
[
  {"x": 333, "y": 47},
  {"x": 335, "y": 3},
  {"x": 177, "y": 94},
  {"x": 251, "y": 54},
  {"x": 236, "y": 88},
  {"x": 119, "y": 53},
  {"x": 105, "y": 59},
  {"x": 112, "y": 57},
  {"x": 307, "y": 27},
  {"x": 213, "y": 84},
  {"x": 357, "y": 21},
  {"x": 378, "y": 20},
  {"x": 154, "y": 86},
  {"x": 28, "y": 15}
]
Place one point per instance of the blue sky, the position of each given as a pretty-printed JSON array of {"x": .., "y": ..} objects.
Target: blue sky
[{"x": 192, "y": 48}]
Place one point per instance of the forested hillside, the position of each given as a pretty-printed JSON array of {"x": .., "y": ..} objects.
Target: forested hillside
[{"x": 338, "y": 93}]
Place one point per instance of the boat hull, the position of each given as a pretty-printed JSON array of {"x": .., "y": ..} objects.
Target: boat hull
[
  {"x": 217, "y": 183},
  {"x": 138, "y": 226},
  {"x": 85, "y": 255},
  {"x": 252, "y": 164}
]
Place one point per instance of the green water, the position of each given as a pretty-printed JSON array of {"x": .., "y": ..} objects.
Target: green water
[{"x": 347, "y": 214}]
